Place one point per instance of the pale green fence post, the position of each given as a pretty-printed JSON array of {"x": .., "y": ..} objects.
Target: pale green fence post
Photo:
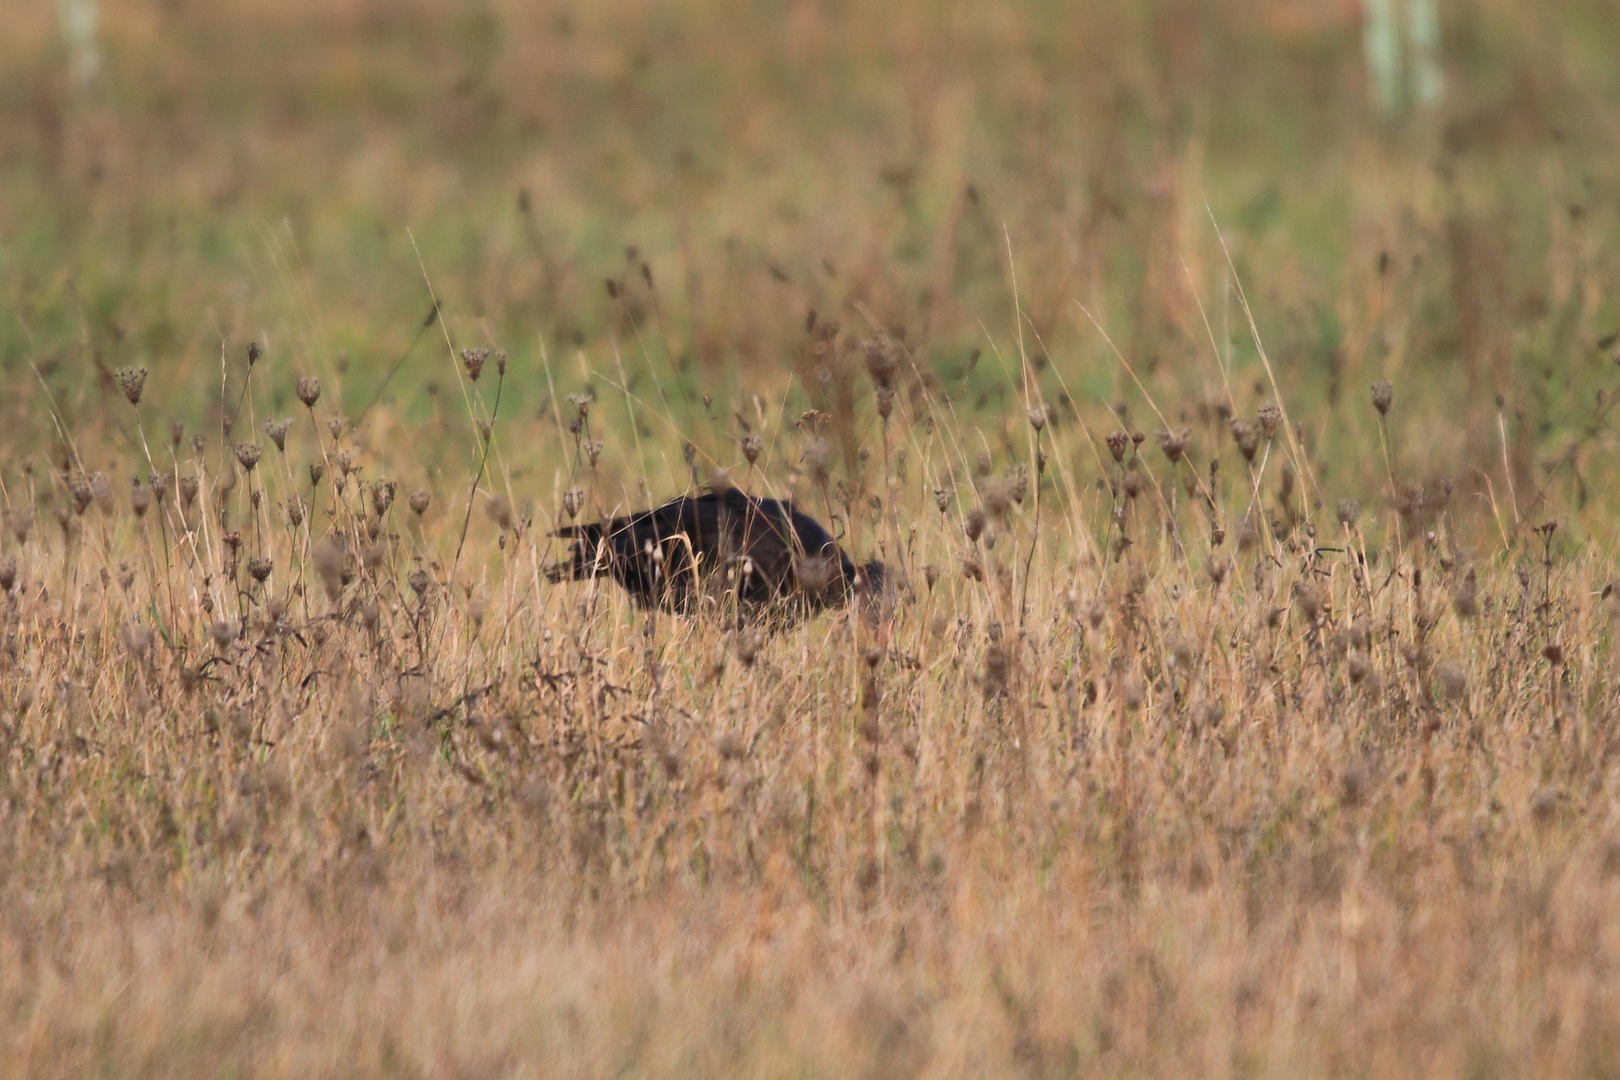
[
  {"x": 78, "y": 19},
  {"x": 1402, "y": 71}
]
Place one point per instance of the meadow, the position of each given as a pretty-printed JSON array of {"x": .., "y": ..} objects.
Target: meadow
[{"x": 1245, "y": 703}]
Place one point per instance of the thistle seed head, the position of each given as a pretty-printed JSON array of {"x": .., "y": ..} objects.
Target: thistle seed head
[
  {"x": 1453, "y": 679},
  {"x": 1118, "y": 442},
  {"x": 1174, "y": 443},
  {"x": 499, "y": 511},
  {"x": 818, "y": 459},
  {"x": 1247, "y": 439},
  {"x": 309, "y": 391},
  {"x": 132, "y": 381},
  {"x": 1383, "y": 396},
  {"x": 277, "y": 432},
  {"x": 1270, "y": 417}
]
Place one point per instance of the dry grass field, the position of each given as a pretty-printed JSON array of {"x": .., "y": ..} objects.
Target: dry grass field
[{"x": 1246, "y": 704}]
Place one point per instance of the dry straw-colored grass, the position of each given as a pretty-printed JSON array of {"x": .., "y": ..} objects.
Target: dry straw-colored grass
[
  {"x": 1221, "y": 784},
  {"x": 1239, "y": 713}
]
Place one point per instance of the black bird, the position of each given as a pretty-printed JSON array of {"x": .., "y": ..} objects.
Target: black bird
[{"x": 771, "y": 553}]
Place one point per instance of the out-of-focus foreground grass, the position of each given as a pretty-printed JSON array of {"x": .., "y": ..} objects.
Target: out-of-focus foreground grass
[{"x": 1234, "y": 715}]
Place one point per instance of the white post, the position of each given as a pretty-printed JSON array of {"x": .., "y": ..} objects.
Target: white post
[
  {"x": 1381, "y": 41},
  {"x": 1423, "y": 29},
  {"x": 78, "y": 19}
]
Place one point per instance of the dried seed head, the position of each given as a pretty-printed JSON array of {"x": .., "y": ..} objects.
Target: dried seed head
[
  {"x": 814, "y": 573},
  {"x": 334, "y": 426},
  {"x": 473, "y": 360},
  {"x": 101, "y": 489},
  {"x": 1217, "y": 569},
  {"x": 1270, "y": 418},
  {"x": 1016, "y": 483},
  {"x": 997, "y": 669},
  {"x": 277, "y": 432},
  {"x": 1349, "y": 511},
  {"x": 177, "y": 434},
  {"x": 1383, "y": 396},
  {"x": 499, "y": 511},
  {"x": 248, "y": 454},
  {"x": 1174, "y": 443},
  {"x": 573, "y": 501},
  {"x": 500, "y": 361},
  {"x": 883, "y": 396},
  {"x": 223, "y": 632},
  {"x": 132, "y": 380},
  {"x": 136, "y": 638},
  {"x": 818, "y": 459},
  {"x": 1466, "y": 599},
  {"x": 188, "y": 491},
  {"x": 1038, "y": 415},
  {"x": 253, "y": 353},
  {"x": 233, "y": 540},
  {"x": 972, "y": 568},
  {"x": 19, "y": 521},
  {"x": 1308, "y": 598},
  {"x": 419, "y": 502},
  {"x": 419, "y": 581},
  {"x": 376, "y": 554},
  {"x": 593, "y": 450},
  {"x": 259, "y": 568},
  {"x": 1453, "y": 679},
  {"x": 140, "y": 498},
  {"x": 747, "y": 643},
  {"x": 1118, "y": 442},
  {"x": 345, "y": 461},
  {"x": 973, "y": 524},
  {"x": 382, "y": 496},
  {"x": 317, "y": 469},
  {"x": 1247, "y": 439},
  {"x": 882, "y": 361},
  {"x": 330, "y": 564},
  {"x": 309, "y": 391},
  {"x": 1248, "y": 534},
  {"x": 295, "y": 511}
]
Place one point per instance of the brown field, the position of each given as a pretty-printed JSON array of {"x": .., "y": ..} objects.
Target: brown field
[{"x": 1247, "y": 706}]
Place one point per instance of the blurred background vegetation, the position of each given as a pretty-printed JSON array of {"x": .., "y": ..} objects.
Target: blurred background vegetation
[{"x": 296, "y": 173}]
